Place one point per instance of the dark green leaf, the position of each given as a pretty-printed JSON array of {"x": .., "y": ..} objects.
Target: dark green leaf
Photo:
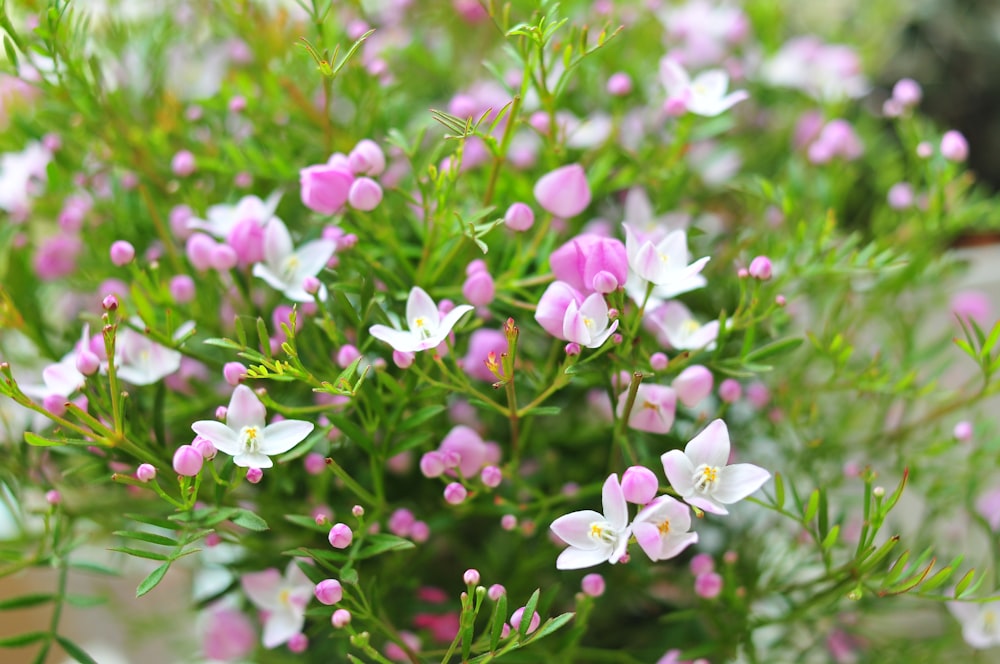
[
  {"x": 249, "y": 520},
  {"x": 25, "y": 601},
  {"x": 551, "y": 625},
  {"x": 499, "y": 618},
  {"x": 22, "y": 640},
  {"x": 529, "y": 612},
  {"x": 151, "y": 538},
  {"x": 381, "y": 543},
  {"x": 75, "y": 651},
  {"x": 152, "y": 579}
]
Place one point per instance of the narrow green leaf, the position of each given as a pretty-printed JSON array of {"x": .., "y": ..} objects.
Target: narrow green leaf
[
  {"x": 94, "y": 568},
  {"x": 249, "y": 520},
  {"x": 964, "y": 583},
  {"x": 991, "y": 341},
  {"x": 151, "y": 538},
  {"x": 24, "y": 601},
  {"x": 224, "y": 343},
  {"x": 551, "y": 625},
  {"x": 499, "y": 618},
  {"x": 529, "y": 612},
  {"x": 139, "y": 553},
  {"x": 779, "y": 490},
  {"x": 778, "y": 347},
  {"x": 812, "y": 506},
  {"x": 22, "y": 640},
  {"x": 544, "y": 410},
  {"x": 831, "y": 537},
  {"x": 75, "y": 651},
  {"x": 152, "y": 579},
  {"x": 8, "y": 46},
  {"x": 85, "y": 601},
  {"x": 938, "y": 579},
  {"x": 307, "y": 522},
  {"x": 382, "y": 543}
]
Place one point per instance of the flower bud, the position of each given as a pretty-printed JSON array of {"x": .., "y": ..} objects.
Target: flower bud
[
  {"x": 432, "y": 464},
  {"x": 298, "y": 643},
  {"x": 604, "y": 282},
  {"x": 223, "y": 258},
  {"x": 693, "y": 384},
  {"x": 145, "y": 472},
  {"x": 329, "y": 591},
  {"x": 563, "y": 192},
  {"x": 572, "y": 349},
  {"x": 188, "y": 461},
  {"x": 204, "y": 446},
  {"x": 519, "y": 217},
  {"x": 479, "y": 288},
  {"x": 365, "y": 194},
  {"x": 122, "y": 252},
  {"x": 182, "y": 289},
  {"x": 515, "y": 620},
  {"x": 403, "y": 359},
  {"x": 420, "y": 531},
  {"x": 233, "y": 372},
  {"x": 508, "y": 522},
  {"x": 639, "y": 485},
  {"x": 702, "y": 563},
  {"x": 491, "y": 476},
  {"x": 496, "y": 591},
  {"x": 963, "y": 431},
  {"x": 659, "y": 362},
  {"x": 183, "y": 163},
  {"x": 87, "y": 362},
  {"x": 254, "y": 475},
  {"x": 907, "y": 92},
  {"x": 730, "y": 390},
  {"x": 341, "y": 536},
  {"x": 471, "y": 577},
  {"x": 924, "y": 150},
  {"x": 708, "y": 586},
  {"x": 593, "y": 585},
  {"x": 340, "y": 618},
  {"x": 324, "y": 188},
  {"x": 110, "y": 303},
  {"x": 311, "y": 285},
  {"x": 455, "y": 493},
  {"x": 199, "y": 249},
  {"x": 954, "y": 147},
  {"x": 367, "y": 158},
  {"x": 760, "y": 268},
  {"x": 53, "y": 497},
  {"x": 347, "y": 354},
  {"x": 619, "y": 84},
  {"x": 900, "y": 196}
]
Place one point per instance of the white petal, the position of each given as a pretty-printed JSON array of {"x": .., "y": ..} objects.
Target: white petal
[
  {"x": 222, "y": 437},
  {"x": 738, "y": 481},
  {"x": 273, "y": 280},
  {"x": 277, "y": 243},
  {"x": 262, "y": 588},
  {"x": 404, "y": 342},
  {"x": 283, "y": 436},
  {"x": 245, "y": 409},
  {"x": 281, "y": 626},
  {"x": 452, "y": 317},
  {"x": 613, "y": 500},
  {"x": 573, "y": 558},
  {"x": 679, "y": 471},
  {"x": 253, "y": 460},
  {"x": 711, "y": 446},
  {"x": 574, "y": 528},
  {"x": 420, "y": 305},
  {"x": 313, "y": 257}
]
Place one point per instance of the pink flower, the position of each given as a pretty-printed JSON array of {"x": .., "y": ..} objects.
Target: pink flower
[
  {"x": 591, "y": 263},
  {"x": 954, "y": 147},
  {"x": 693, "y": 384},
  {"x": 588, "y": 324},
  {"x": 661, "y": 528},
  {"x": 653, "y": 410},
  {"x": 701, "y": 476},
  {"x": 283, "y": 598},
  {"x": 246, "y": 437},
  {"x": 553, "y": 305},
  {"x": 563, "y": 192},
  {"x": 594, "y": 537},
  {"x": 427, "y": 328},
  {"x": 482, "y": 342},
  {"x": 228, "y": 635},
  {"x": 324, "y": 188}
]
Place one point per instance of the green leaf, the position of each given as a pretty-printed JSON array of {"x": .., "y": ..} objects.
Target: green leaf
[
  {"x": 24, "y": 601},
  {"x": 153, "y": 579},
  {"x": 349, "y": 575},
  {"x": 499, "y": 618},
  {"x": 529, "y": 612},
  {"x": 8, "y": 47},
  {"x": 421, "y": 416},
  {"x": 812, "y": 506},
  {"x": 38, "y": 441},
  {"x": 551, "y": 625},
  {"x": 249, "y": 520},
  {"x": 545, "y": 410},
  {"x": 307, "y": 522},
  {"x": 964, "y": 583},
  {"x": 831, "y": 537},
  {"x": 85, "y": 601},
  {"x": 139, "y": 553},
  {"x": 779, "y": 490},
  {"x": 381, "y": 543},
  {"x": 778, "y": 347},
  {"x": 22, "y": 640},
  {"x": 94, "y": 568},
  {"x": 151, "y": 538},
  {"x": 223, "y": 343},
  {"x": 75, "y": 651}
]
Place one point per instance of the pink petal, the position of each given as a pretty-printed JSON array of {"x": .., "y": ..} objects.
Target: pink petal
[
  {"x": 672, "y": 545},
  {"x": 679, "y": 471},
  {"x": 647, "y": 535},
  {"x": 574, "y": 327},
  {"x": 281, "y": 626},
  {"x": 263, "y": 588},
  {"x": 738, "y": 481},
  {"x": 245, "y": 409},
  {"x": 706, "y": 504},
  {"x": 711, "y": 446}
]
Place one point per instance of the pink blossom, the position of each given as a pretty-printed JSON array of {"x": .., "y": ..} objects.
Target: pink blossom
[
  {"x": 653, "y": 410},
  {"x": 661, "y": 528},
  {"x": 563, "y": 192},
  {"x": 693, "y": 384},
  {"x": 228, "y": 634},
  {"x": 591, "y": 263},
  {"x": 324, "y": 188}
]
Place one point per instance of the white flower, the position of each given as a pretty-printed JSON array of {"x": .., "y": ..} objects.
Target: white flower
[
  {"x": 21, "y": 177},
  {"x": 594, "y": 537},
  {"x": 700, "y": 474},
  {"x": 246, "y": 437},
  {"x": 661, "y": 528},
  {"x": 141, "y": 361},
  {"x": 588, "y": 323},
  {"x": 283, "y": 598},
  {"x": 427, "y": 328},
  {"x": 285, "y": 267},
  {"x": 980, "y": 623},
  {"x": 664, "y": 264},
  {"x": 705, "y": 95},
  {"x": 674, "y": 325},
  {"x": 223, "y": 218}
]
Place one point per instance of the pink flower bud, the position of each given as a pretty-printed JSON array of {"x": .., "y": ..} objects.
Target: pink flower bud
[
  {"x": 591, "y": 263},
  {"x": 329, "y": 591},
  {"x": 87, "y": 362},
  {"x": 573, "y": 349},
  {"x": 183, "y": 164},
  {"x": 242, "y": 180},
  {"x": 340, "y": 618},
  {"x": 564, "y": 192},
  {"x": 237, "y": 104},
  {"x": 110, "y": 303},
  {"x": 182, "y": 288},
  {"x": 204, "y": 447},
  {"x": 900, "y": 196},
  {"x": 479, "y": 288},
  {"x": 232, "y": 372},
  {"x": 199, "y": 248},
  {"x": 298, "y": 643},
  {"x": 220, "y": 413},
  {"x": 455, "y": 493},
  {"x": 708, "y": 586},
  {"x": 314, "y": 463},
  {"x": 145, "y": 472},
  {"x": 324, "y": 188},
  {"x": 122, "y": 252},
  {"x": 675, "y": 107},
  {"x": 358, "y": 511},
  {"x": 963, "y": 431},
  {"x": 515, "y": 620},
  {"x": 604, "y": 282},
  {"x": 420, "y": 532},
  {"x": 593, "y": 585},
  {"x": 188, "y": 461},
  {"x": 254, "y": 475},
  {"x": 224, "y": 258},
  {"x": 639, "y": 485},
  {"x": 519, "y": 217},
  {"x": 758, "y": 395},
  {"x": 702, "y": 563},
  {"x": 341, "y": 536},
  {"x": 954, "y": 147},
  {"x": 53, "y": 497},
  {"x": 924, "y": 150},
  {"x": 780, "y": 300},
  {"x": 367, "y": 158},
  {"x": 760, "y": 268},
  {"x": 496, "y": 591},
  {"x": 730, "y": 390},
  {"x": 432, "y": 464},
  {"x": 471, "y": 577},
  {"x": 365, "y": 194},
  {"x": 491, "y": 476},
  {"x": 907, "y": 92},
  {"x": 743, "y": 273},
  {"x": 619, "y": 84},
  {"x": 693, "y": 384},
  {"x": 347, "y": 354},
  {"x": 403, "y": 359},
  {"x": 659, "y": 362},
  {"x": 311, "y": 285}
]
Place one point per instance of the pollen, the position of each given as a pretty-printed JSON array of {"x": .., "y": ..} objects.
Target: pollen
[
  {"x": 251, "y": 433},
  {"x": 596, "y": 530},
  {"x": 710, "y": 473},
  {"x": 664, "y": 528},
  {"x": 419, "y": 322}
]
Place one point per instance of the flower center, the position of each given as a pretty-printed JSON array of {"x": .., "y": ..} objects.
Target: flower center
[
  {"x": 290, "y": 267},
  {"x": 663, "y": 257},
  {"x": 603, "y": 532},
  {"x": 589, "y": 322},
  {"x": 706, "y": 478},
  {"x": 990, "y": 622},
  {"x": 421, "y": 327},
  {"x": 249, "y": 437},
  {"x": 664, "y": 528},
  {"x": 650, "y": 405},
  {"x": 690, "y": 326}
]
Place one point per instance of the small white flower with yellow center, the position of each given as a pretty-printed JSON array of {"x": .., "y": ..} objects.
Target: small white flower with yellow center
[
  {"x": 980, "y": 623},
  {"x": 284, "y": 599},
  {"x": 702, "y": 475},
  {"x": 594, "y": 537},
  {"x": 705, "y": 95},
  {"x": 285, "y": 268},
  {"x": 661, "y": 528},
  {"x": 427, "y": 327},
  {"x": 246, "y": 437},
  {"x": 588, "y": 323},
  {"x": 663, "y": 264},
  {"x": 675, "y": 326}
]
